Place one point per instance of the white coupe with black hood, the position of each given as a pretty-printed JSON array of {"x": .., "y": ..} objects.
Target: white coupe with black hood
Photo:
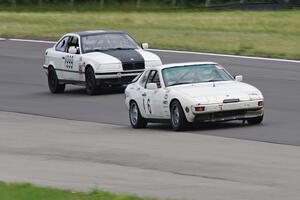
[
  {"x": 96, "y": 59},
  {"x": 186, "y": 93}
]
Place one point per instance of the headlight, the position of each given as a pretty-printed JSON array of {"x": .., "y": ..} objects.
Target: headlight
[
  {"x": 255, "y": 95},
  {"x": 109, "y": 66}
]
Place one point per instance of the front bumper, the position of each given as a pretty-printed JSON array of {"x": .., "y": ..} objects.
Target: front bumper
[
  {"x": 226, "y": 111},
  {"x": 112, "y": 75},
  {"x": 117, "y": 78},
  {"x": 229, "y": 115}
]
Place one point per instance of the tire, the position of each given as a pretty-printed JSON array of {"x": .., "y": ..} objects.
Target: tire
[
  {"x": 90, "y": 82},
  {"x": 53, "y": 82},
  {"x": 178, "y": 119},
  {"x": 136, "y": 119},
  {"x": 256, "y": 120}
]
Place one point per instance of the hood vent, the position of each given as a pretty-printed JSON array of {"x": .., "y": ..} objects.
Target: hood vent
[{"x": 231, "y": 100}]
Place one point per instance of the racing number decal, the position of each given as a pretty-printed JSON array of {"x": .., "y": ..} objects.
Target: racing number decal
[
  {"x": 69, "y": 61},
  {"x": 146, "y": 104}
]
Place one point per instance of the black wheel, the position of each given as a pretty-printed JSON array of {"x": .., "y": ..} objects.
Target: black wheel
[
  {"x": 256, "y": 120},
  {"x": 136, "y": 119},
  {"x": 178, "y": 119},
  {"x": 53, "y": 82},
  {"x": 90, "y": 82}
]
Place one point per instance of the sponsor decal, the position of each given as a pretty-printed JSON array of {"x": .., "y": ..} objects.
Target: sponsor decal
[
  {"x": 221, "y": 107},
  {"x": 80, "y": 68}
]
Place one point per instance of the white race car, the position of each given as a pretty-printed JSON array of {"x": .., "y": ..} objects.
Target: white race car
[
  {"x": 96, "y": 59},
  {"x": 191, "y": 92}
]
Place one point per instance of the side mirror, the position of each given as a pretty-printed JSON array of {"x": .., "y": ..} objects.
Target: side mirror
[
  {"x": 73, "y": 50},
  {"x": 239, "y": 78},
  {"x": 145, "y": 46},
  {"x": 151, "y": 86}
]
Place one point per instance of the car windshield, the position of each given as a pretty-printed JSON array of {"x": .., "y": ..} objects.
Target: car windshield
[
  {"x": 107, "y": 41},
  {"x": 195, "y": 74}
]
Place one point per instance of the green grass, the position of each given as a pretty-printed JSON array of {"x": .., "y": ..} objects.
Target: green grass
[
  {"x": 257, "y": 33},
  {"x": 30, "y": 192}
]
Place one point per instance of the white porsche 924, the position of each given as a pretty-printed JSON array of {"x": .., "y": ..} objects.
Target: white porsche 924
[
  {"x": 191, "y": 92},
  {"x": 96, "y": 59}
]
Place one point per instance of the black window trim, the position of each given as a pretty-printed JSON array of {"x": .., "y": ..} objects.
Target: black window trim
[
  {"x": 156, "y": 73},
  {"x": 56, "y": 46}
]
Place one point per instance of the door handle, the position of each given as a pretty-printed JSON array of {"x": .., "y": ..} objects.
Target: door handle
[
  {"x": 63, "y": 57},
  {"x": 144, "y": 94}
]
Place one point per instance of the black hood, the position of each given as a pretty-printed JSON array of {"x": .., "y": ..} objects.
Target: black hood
[{"x": 130, "y": 59}]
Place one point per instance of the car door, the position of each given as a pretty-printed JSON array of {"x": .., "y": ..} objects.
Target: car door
[
  {"x": 153, "y": 98},
  {"x": 59, "y": 55},
  {"x": 73, "y": 61}
]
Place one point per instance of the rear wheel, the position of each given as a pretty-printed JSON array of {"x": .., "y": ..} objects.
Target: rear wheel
[
  {"x": 53, "y": 82},
  {"x": 256, "y": 120},
  {"x": 178, "y": 119},
  {"x": 136, "y": 119},
  {"x": 90, "y": 82}
]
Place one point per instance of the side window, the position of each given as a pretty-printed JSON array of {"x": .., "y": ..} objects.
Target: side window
[
  {"x": 62, "y": 45},
  {"x": 154, "y": 78},
  {"x": 73, "y": 42},
  {"x": 144, "y": 78}
]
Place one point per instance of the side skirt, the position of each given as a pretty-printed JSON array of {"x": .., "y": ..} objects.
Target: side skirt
[
  {"x": 81, "y": 83},
  {"x": 153, "y": 120}
]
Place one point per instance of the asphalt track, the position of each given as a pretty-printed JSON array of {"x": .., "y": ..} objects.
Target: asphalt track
[{"x": 23, "y": 89}]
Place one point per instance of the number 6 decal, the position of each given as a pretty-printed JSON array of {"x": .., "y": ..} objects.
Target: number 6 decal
[{"x": 149, "y": 106}]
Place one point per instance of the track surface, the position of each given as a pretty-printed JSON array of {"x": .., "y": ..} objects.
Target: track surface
[{"x": 23, "y": 88}]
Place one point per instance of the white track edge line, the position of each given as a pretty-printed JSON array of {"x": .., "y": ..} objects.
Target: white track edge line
[
  {"x": 228, "y": 55},
  {"x": 175, "y": 51},
  {"x": 35, "y": 41}
]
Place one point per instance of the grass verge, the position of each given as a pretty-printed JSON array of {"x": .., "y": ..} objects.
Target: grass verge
[
  {"x": 256, "y": 33},
  {"x": 29, "y": 192}
]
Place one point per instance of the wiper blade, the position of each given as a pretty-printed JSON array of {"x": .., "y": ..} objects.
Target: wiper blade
[
  {"x": 99, "y": 50},
  {"x": 120, "y": 48},
  {"x": 214, "y": 80},
  {"x": 111, "y": 49},
  {"x": 181, "y": 83}
]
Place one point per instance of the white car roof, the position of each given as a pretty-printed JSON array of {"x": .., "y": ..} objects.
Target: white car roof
[{"x": 183, "y": 64}]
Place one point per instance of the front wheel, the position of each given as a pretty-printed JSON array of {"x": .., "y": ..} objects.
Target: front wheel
[
  {"x": 53, "y": 82},
  {"x": 256, "y": 120},
  {"x": 178, "y": 119},
  {"x": 90, "y": 82},
  {"x": 136, "y": 119}
]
